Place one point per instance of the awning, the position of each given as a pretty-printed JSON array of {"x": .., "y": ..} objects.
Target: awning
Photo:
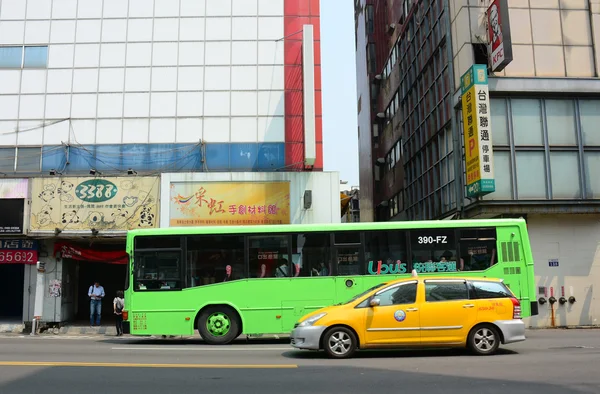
[{"x": 75, "y": 252}]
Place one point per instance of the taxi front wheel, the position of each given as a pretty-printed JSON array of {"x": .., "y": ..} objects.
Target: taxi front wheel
[
  {"x": 339, "y": 342},
  {"x": 484, "y": 340}
]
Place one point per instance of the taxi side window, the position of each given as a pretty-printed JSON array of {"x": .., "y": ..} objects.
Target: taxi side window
[
  {"x": 445, "y": 291},
  {"x": 489, "y": 290},
  {"x": 403, "y": 294}
]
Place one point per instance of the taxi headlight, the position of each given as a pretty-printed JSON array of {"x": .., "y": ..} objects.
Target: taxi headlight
[{"x": 311, "y": 320}]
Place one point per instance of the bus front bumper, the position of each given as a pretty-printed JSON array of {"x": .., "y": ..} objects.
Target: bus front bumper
[{"x": 308, "y": 337}]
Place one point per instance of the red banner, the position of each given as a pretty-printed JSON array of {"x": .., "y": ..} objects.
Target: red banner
[{"x": 68, "y": 251}]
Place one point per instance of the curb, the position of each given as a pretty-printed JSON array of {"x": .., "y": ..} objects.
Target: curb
[{"x": 12, "y": 328}]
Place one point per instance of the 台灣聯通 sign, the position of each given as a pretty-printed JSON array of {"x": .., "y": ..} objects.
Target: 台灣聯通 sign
[
  {"x": 229, "y": 203},
  {"x": 479, "y": 159}
]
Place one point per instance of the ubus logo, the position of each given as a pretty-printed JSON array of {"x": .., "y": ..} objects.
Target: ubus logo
[{"x": 381, "y": 268}]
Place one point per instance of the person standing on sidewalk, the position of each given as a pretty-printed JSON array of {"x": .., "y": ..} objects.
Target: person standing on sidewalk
[
  {"x": 96, "y": 293},
  {"x": 118, "y": 305}
]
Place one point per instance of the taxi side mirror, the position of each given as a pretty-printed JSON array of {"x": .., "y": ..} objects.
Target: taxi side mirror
[{"x": 374, "y": 302}]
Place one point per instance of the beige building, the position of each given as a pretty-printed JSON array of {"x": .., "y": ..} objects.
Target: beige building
[
  {"x": 545, "y": 117},
  {"x": 535, "y": 152}
]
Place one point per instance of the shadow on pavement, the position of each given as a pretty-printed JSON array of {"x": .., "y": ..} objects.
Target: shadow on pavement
[
  {"x": 322, "y": 379},
  {"x": 394, "y": 353},
  {"x": 191, "y": 341}
]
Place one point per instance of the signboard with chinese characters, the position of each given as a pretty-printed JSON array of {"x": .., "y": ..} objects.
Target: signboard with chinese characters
[
  {"x": 479, "y": 160},
  {"x": 104, "y": 204},
  {"x": 229, "y": 203},
  {"x": 500, "y": 46},
  {"x": 18, "y": 251}
]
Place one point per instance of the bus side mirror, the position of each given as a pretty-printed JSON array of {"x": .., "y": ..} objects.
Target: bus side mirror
[{"x": 374, "y": 302}]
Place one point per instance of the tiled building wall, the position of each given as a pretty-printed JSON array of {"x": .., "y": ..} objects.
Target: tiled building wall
[
  {"x": 550, "y": 38},
  {"x": 124, "y": 72}
]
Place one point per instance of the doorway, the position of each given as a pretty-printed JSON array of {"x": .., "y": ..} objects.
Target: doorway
[
  {"x": 11, "y": 292},
  {"x": 111, "y": 277}
]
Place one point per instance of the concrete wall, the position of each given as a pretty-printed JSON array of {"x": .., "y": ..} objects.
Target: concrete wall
[
  {"x": 575, "y": 241},
  {"x": 324, "y": 185}
]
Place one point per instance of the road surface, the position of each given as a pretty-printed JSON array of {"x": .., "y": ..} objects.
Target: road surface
[{"x": 550, "y": 361}]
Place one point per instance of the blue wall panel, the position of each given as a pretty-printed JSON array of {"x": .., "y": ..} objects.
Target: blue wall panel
[{"x": 164, "y": 157}]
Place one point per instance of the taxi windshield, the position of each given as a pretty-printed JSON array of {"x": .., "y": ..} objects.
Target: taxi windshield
[{"x": 356, "y": 297}]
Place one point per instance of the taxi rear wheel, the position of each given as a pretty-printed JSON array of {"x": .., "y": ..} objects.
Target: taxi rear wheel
[
  {"x": 339, "y": 342},
  {"x": 484, "y": 340}
]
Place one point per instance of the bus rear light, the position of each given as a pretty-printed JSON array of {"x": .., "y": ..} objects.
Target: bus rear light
[
  {"x": 125, "y": 315},
  {"x": 516, "y": 308}
]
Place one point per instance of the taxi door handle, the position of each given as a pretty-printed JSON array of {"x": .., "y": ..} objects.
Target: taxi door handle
[
  {"x": 412, "y": 309},
  {"x": 468, "y": 306}
]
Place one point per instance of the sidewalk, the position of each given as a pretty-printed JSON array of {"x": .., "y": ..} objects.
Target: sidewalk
[{"x": 87, "y": 330}]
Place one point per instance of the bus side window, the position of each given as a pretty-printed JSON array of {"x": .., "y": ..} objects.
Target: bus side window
[
  {"x": 478, "y": 248},
  {"x": 214, "y": 259},
  {"x": 434, "y": 250},
  {"x": 268, "y": 256},
  {"x": 385, "y": 252},
  {"x": 311, "y": 254}
]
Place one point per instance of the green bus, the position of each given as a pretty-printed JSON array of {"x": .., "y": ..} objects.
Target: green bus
[{"x": 254, "y": 280}]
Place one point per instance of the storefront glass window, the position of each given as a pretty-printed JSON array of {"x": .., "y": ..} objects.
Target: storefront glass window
[
  {"x": 560, "y": 115},
  {"x": 565, "y": 175},
  {"x": 498, "y": 111},
  {"x": 7, "y": 159},
  {"x": 592, "y": 174},
  {"x": 527, "y": 121},
  {"x": 531, "y": 175},
  {"x": 502, "y": 175},
  {"x": 589, "y": 111},
  {"x": 29, "y": 159}
]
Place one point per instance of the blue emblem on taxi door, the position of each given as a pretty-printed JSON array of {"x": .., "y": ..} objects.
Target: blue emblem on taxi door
[{"x": 400, "y": 315}]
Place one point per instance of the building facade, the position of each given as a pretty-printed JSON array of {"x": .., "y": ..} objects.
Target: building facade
[
  {"x": 534, "y": 152},
  {"x": 99, "y": 98}
]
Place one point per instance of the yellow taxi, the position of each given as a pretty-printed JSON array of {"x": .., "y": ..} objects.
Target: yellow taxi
[{"x": 478, "y": 313}]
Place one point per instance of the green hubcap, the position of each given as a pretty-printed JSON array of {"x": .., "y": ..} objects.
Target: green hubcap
[{"x": 218, "y": 324}]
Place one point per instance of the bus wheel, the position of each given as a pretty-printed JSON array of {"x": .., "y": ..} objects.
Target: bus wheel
[{"x": 219, "y": 325}]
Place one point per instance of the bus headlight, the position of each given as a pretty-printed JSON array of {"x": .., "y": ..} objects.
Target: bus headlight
[{"x": 311, "y": 320}]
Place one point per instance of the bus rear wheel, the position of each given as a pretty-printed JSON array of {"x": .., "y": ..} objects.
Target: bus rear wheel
[{"x": 219, "y": 325}]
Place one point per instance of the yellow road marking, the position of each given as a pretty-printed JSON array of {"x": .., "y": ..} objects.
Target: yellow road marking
[{"x": 142, "y": 365}]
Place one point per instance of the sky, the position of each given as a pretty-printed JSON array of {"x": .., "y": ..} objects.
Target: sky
[{"x": 338, "y": 73}]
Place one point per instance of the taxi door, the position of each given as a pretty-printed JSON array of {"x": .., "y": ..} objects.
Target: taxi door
[
  {"x": 447, "y": 314},
  {"x": 392, "y": 316}
]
